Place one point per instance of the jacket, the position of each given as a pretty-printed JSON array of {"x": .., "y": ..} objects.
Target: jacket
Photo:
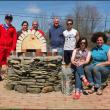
[{"x": 8, "y": 37}]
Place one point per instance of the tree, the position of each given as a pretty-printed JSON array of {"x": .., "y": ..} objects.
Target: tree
[{"x": 86, "y": 19}]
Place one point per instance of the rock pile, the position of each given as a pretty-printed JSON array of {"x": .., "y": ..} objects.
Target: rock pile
[{"x": 34, "y": 75}]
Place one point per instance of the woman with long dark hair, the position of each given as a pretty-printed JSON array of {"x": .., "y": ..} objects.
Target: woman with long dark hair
[{"x": 80, "y": 57}]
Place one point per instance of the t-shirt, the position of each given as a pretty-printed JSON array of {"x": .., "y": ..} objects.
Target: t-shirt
[
  {"x": 81, "y": 55},
  {"x": 56, "y": 37},
  {"x": 99, "y": 54},
  {"x": 70, "y": 39}
]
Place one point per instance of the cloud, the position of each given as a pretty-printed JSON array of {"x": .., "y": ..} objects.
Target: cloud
[{"x": 33, "y": 10}]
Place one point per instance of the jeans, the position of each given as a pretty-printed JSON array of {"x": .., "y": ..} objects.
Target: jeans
[
  {"x": 79, "y": 74},
  {"x": 96, "y": 75}
]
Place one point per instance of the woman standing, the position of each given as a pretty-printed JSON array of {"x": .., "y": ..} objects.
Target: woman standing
[
  {"x": 80, "y": 57},
  {"x": 100, "y": 65}
]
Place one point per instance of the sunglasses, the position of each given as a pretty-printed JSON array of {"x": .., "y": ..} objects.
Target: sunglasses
[
  {"x": 69, "y": 23},
  {"x": 82, "y": 42}
]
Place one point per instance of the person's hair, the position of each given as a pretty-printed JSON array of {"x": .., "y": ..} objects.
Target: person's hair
[
  {"x": 80, "y": 40},
  {"x": 35, "y": 21},
  {"x": 55, "y": 18},
  {"x": 24, "y": 22},
  {"x": 69, "y": 20},
  {"x": 9, "y": 17},
  {"x": 97, "y": 35}
]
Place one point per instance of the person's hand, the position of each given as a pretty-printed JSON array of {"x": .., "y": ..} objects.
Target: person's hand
[
  {"x": 80, "y": 63},
  {"x": 74, "y": 63},
  {"x": 98, "y": 64}
]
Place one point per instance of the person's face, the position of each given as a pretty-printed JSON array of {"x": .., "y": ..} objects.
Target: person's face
[
  {"x": 8, "y": 21},
  {"x": 56, "y": 22},
  {"x": 100, "y": 41},
  {"x": 24, "y": 26},
  {"x": 69, "y": 25},
  {"x": 83, "y": 44},
  {"x": 35, "y": 25}
]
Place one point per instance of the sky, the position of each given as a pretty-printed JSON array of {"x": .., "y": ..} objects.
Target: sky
[{"x": 31, "y": 9}]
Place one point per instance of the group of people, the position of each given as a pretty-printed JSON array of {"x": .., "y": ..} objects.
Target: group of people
[
  {"x": 8, "y": 40},
  {"x": 90, "y": 68}
]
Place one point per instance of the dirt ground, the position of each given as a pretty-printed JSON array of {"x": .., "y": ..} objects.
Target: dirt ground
[{"x": 53, "y": 100}]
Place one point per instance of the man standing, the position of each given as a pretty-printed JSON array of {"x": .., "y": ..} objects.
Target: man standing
[
  {"x": 56, "y": 37},
  {"x": 71, "y": 38},
  {"x": 35, "y": 26},
  {"x": 8, "y": 37}
]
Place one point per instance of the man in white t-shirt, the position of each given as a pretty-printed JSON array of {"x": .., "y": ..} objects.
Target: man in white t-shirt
[{"x": 71, "y": 38}]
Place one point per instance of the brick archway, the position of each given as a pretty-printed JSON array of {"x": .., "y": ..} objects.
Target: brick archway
[{"x": 31, "y": 40}]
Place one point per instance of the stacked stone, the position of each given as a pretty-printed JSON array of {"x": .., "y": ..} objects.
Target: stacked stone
[{"x": 34, "y": 75}]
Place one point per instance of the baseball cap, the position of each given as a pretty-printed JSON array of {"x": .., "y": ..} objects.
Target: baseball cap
[{"x": 9, "y": 16}]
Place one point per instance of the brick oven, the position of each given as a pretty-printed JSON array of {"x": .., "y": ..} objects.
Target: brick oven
[{"x": 34, "y": 69}]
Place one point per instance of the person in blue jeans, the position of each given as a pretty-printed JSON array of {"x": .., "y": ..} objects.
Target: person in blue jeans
[
  {"x": 80, "y": 57},
  {"x": 98, "y": 71}
]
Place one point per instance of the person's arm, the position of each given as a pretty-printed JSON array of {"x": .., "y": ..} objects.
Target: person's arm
[
  {"x": 19, "y": 33},
  {"x": 49, "y": 37},
  {"x": 14, "y": 40},
  {"x": 73, "y": 57},
  {"x": 77, "y": 36},
  {"x": 49, "y": 34},
  {"x": 44, "y": 35},
  {"x": 106, "y": 63}
]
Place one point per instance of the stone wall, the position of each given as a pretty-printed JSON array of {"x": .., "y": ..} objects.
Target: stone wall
[{"x": 34, "y": 75}]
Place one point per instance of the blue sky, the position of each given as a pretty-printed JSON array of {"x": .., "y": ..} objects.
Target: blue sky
[{"x": 34, "y": 8}]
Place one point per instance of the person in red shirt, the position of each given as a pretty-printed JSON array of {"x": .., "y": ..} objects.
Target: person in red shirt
[
  {"x": 8, "y": 38},
  {"x": 35, "y": 26}
]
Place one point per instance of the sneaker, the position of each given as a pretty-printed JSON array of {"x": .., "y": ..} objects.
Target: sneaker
[
  {"x": 92, "y": 90},
  {"x": 99, "y": 91},
  {"x": 85, "y": 81},
  {"x": 77, "y": 95},
  {"x": 85, "y": 92}
]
